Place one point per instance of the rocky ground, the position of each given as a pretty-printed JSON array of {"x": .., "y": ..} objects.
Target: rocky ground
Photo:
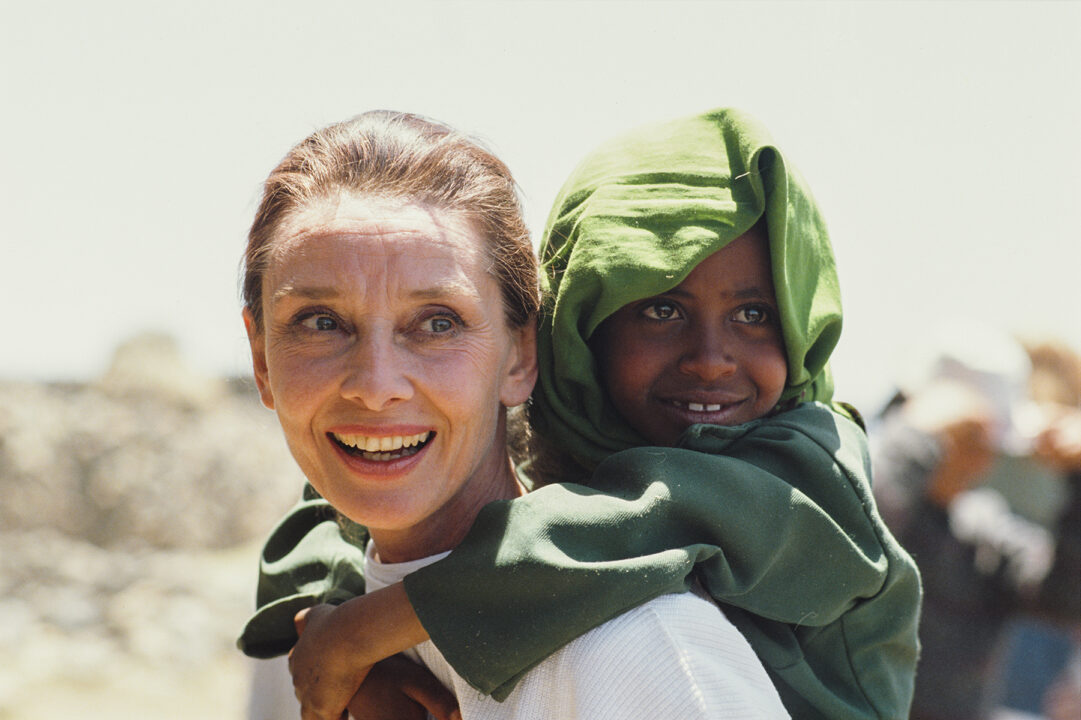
[{"x": 131, "y": 510}]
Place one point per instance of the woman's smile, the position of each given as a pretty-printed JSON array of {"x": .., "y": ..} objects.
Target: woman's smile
[{"x": 381, "y": 448}]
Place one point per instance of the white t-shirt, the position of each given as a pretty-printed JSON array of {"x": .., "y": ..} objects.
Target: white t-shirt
[{"x": 675, "y": 657}]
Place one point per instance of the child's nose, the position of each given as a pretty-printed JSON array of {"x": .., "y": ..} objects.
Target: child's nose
[{"x": 708, "y": 355}]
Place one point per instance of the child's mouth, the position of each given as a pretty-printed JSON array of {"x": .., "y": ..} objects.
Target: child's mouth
[{"x": 381, "y": 449}]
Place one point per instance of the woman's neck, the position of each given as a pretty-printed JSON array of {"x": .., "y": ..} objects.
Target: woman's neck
[{"x": 446, "y": 528}]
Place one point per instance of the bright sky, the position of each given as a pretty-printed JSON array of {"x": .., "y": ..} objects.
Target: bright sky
[{"x": 943, "y": 141}]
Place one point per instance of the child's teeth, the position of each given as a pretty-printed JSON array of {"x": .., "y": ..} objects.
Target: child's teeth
[{"x": 699, "y": 407}]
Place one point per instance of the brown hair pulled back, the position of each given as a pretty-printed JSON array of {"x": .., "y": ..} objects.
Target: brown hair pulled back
[{"x": 400, "y": 155}]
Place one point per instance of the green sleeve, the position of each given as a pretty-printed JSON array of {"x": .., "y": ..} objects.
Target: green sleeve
[
  {"x": 776, "y": 515},
  {"x": 311, "y": 557}
]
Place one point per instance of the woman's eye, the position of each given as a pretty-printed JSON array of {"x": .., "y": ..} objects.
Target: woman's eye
[
  {"x": 661, "y": 311},
  {"x": 320, "y": 323},
  {"x": 754, "y": 315},
  {"x": 440, "y": 324}
]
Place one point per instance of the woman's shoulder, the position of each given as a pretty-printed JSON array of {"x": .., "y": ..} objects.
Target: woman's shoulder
[{"x": 674, "y": 656}]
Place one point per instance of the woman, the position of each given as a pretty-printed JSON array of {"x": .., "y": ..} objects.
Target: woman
[{"x": 390, "y": 303}]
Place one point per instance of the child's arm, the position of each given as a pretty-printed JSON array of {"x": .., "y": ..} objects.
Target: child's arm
[
  {"x": 310, "y": 558},
  {"x": 339, "y": 645}
]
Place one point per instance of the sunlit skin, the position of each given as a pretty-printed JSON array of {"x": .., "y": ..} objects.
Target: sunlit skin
[
  {"x": 382, "y": 322},
  {"x": 707, "y": 351}
]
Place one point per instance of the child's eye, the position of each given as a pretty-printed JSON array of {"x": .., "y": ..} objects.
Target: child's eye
[
  {"x": 754, "y": 315},
  {"x": 661, "y": 310},
  {"x": 319, "y": 322}
]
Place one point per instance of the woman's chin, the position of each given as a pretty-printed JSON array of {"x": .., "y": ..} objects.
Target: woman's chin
[{"x": 395, "y": 512}]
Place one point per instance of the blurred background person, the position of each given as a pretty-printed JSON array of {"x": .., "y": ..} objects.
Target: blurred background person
[
  {"x": 1038, "y": 671},
  {"x": 977, "y": 462}
]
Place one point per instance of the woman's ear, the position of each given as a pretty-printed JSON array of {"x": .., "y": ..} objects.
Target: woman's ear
[
  {"x": 521, "y": 373},
  {"x": 257, "y": 341}
]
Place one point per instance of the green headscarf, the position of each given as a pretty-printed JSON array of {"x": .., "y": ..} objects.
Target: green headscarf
[{"x": 634, "y": 219}]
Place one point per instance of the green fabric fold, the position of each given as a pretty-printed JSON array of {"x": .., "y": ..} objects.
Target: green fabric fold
[{"x": 311, "y": 557}]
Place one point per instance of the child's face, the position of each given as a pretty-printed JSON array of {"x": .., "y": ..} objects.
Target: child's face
[{"x": 707, "y": 351}]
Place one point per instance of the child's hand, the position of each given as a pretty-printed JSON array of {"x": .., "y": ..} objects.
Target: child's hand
[
  {"x": 400, "y": 689},
  {"x": 326, "y": 670},
  {"x": 339, "y": 645}
]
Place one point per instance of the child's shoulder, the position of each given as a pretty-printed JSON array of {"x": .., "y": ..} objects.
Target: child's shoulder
[
  {"x": 836, "y": 430},
  {"x": 815, "y": 413},
  {"x": 810, "y": 430}
]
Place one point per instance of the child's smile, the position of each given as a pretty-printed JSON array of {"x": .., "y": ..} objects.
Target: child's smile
[{"x": 707, "y": 351}]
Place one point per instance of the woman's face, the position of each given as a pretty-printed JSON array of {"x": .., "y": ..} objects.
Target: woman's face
[{"x": 386, "y": 355}]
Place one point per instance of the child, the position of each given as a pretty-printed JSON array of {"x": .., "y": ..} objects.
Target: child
[{"x": 692, "y": 306}]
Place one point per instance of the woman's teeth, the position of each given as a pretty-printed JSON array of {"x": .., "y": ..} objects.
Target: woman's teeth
[{"x": 387, "y": 447}]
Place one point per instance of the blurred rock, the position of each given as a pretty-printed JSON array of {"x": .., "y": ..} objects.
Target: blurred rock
[
  {"x": 187, "y": 465},
  {"x": 131, "y": 514},
  {"x": 81, "y": 621},
  {"x": 151, "y": 365}
]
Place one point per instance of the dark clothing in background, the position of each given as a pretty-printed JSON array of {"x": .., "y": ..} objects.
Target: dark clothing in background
[{"x": 981, "y": 565}]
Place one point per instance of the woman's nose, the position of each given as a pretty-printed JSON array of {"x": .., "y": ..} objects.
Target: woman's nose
[
  {"x": 706, "y": 354},
  {"x": 376, "y": 374}
]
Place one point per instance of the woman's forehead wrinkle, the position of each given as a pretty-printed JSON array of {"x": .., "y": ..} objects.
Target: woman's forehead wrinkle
[
  {"x": 418, "y": 268},
  {"x": 400, "y": 251},
  {"x": 450, "y": 287},
  {"x": 290, "y": 289},
  {"x": 438, "y": 232}
]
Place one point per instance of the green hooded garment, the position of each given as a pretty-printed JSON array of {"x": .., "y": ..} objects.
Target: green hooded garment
[
  {"x": 634, "y": 219},
  {"x": 773, "y": 518}
]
